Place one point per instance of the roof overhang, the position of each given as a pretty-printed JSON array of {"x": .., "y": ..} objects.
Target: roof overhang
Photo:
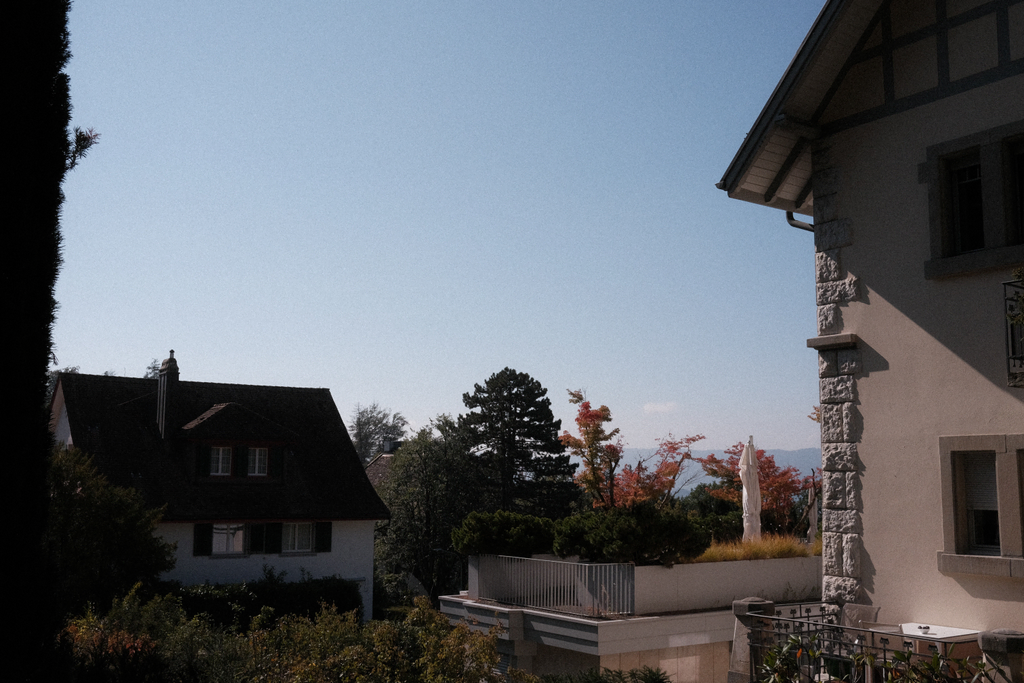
[{"x": 773, "y": 165}]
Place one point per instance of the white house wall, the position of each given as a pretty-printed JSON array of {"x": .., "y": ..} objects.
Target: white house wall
[
  {"x": 931, "y": 362},
  {"x": 351, "y": 557}
]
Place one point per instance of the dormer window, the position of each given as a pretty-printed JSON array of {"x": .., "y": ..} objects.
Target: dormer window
[
  {"x": 258, "y": 458},
  {"x": 220, "y": 461},
  {"x": 240, "y": 462}
]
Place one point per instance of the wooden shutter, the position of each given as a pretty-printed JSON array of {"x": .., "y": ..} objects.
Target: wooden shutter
[
  {"x": 203, "y": 455},
  {"x": 272, "y": 538},
  {"x": 202, "y": 539},
  {"x": 240, "y": 461},
  {"x": 980, "y": 481},
  {"x": 322, "y": 537},
  {"x": 256, "y": 537},
  {"x": 275, "y": 468}
]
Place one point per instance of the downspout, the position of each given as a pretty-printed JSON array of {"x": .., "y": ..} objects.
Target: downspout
[{"x": 798, "y": 224}]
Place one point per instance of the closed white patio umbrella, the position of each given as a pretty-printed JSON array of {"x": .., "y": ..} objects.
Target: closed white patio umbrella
[{"x": 751, "y": 493}]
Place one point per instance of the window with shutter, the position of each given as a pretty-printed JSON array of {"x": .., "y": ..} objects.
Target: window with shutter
[
  {"x": 298, "y": 537},
  {"x": 228, "y": 539},
  {"x": 981, "y": 502}
]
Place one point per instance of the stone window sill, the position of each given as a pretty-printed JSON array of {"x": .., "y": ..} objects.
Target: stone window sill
[
  {"x": 973, "y": 262},
  {"x": 1007, "y": 567}
]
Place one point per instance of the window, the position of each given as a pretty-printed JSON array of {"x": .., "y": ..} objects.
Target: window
[
  {"x": 976, "y": 201},
  {"x": 982, "y": 508},
  {"x": 298, "y": 537},
  {"x": 967, "y": 226},
  {"x": 1013, "y": 300},
  {"x": 257, "y": 462},
  {"x": 261, "y": 538},
  {"x": 980, "y": 502},
  {"x": 220, "y": 461},
  {"x": 228, "y": 539}
]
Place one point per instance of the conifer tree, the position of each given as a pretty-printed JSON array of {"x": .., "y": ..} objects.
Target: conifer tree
[
  {"x": 38, "y": 154},
  {"x": 515, "y": 439}
]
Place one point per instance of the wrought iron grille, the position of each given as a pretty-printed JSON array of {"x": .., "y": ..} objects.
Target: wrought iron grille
[
  {"x": 805, "y": 644},
  {"x": 569, "y": 587},
  {"x": 1013, "y": 295}
]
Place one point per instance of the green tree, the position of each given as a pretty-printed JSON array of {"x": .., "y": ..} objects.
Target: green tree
[
  {"x": 99, "y": 537},
  {"x": 152, "y": 370},
  {"x": 515, "y": 442},
  {"x": 430, "y": 488},
  {"x": 51, "y": 382},
  {"x": 372, "y": 426}
]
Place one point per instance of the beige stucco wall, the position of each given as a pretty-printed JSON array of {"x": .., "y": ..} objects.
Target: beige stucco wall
[
  {"x": 704, "y": 663},
  {"x": 351, "y": 557},
  {"x": 933, "y": 360}
]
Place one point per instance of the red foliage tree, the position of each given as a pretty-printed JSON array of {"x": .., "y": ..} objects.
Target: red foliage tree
[
  {"x": 595, "y": 448},
  {"x": 780, "y": 486},
  {"x": 655, "y": 478}
]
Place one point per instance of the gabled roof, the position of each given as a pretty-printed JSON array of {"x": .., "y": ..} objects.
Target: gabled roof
[
  {"x": 861, "y": 61},
  {"x": 235, "y": 421},
  {"x": 114, "y": 420}
]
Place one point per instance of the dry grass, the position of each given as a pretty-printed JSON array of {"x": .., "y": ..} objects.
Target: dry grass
[{"x": 769, "y": 547}]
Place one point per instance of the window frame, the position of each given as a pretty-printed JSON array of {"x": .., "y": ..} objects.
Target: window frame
[
  {"x": 217, "y": 454},
  {"x": 957, "y": 554},
  {"x": 236, "y": 531},
  {"x": 254, "y": 461},
  {"x": 290, "y": 536},
  {"x": 995, "y": 152}
]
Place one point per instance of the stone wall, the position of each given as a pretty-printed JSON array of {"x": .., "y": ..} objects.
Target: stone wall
[{"x": 838, "y": 368}]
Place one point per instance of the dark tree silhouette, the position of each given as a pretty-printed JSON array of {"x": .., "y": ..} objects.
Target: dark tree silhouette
[
  {"x": 39, "y": 151},
  {"x": 515, "y": 438}
]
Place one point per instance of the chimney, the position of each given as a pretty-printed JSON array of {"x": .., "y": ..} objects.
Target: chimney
[{"x": 166, "y": 385}]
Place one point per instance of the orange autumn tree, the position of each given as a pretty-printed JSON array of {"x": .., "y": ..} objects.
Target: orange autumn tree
[
  {"x": 652, "y": 480},
  {"x": 780, "y": 486},
  {"x": 595, "y": 448}
]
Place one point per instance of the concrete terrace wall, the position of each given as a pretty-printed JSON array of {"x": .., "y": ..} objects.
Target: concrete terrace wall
[{"x": 714, "y": 585}]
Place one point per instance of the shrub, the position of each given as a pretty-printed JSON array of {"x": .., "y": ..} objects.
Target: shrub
[
  {"x": 644, "y": 674},
  {"x": 153, "y": 641},
  {"x": 503, "y": 533},
  {"x": 769, "y": 546},
  {"x": 234, "y": 605},
  {"x": 642, "y": 534},
  {"x": 722, "y": 528}
]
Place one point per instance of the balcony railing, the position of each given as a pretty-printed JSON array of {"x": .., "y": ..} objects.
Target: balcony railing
[
  {"x": 1012, "y": 293},
  {"x": 570, "y": 587},
  {"x": 805, "y": 643}
]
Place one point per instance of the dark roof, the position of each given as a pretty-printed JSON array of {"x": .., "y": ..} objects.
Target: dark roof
[
  {"x": 114, "y": 420},
  {"x": 379, "y": 468}
]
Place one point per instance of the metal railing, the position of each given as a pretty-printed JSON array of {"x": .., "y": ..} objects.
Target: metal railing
[
  {"x": 804, "y": 643},
  {"x": 596, "y": 590},
  {"x": 1012, "y": 294}
]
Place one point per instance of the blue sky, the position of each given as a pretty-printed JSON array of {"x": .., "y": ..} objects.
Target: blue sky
[{"x": 395, "y": 200}]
